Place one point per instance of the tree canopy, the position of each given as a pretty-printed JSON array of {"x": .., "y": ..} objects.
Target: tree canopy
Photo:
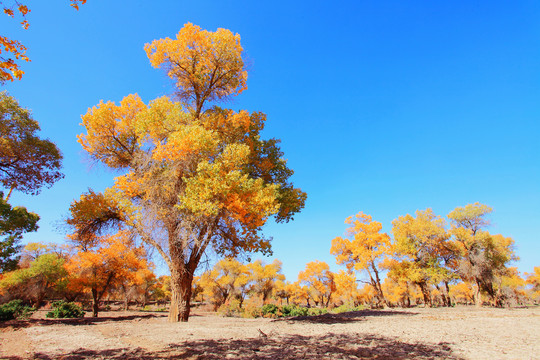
[
  {"x": 195, "y": 177},
  {"x": 27, "y": 162}
]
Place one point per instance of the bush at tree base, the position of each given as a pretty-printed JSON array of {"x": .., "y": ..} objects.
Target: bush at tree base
[
  {"x": 63, "y": 310},
  {"x": 15, "y": 309}
]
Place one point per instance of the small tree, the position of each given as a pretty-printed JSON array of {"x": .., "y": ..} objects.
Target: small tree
[
  {"x": 364, "y": 249},
  {"x": 320, "y": 282},
  {"x": 264, "y": 277},
  {"x": 43, "y": 276},
  {"x": 229, "y": 278},
  {"x": 102, "y": 264},
  {"x": 346, "y": 288}
]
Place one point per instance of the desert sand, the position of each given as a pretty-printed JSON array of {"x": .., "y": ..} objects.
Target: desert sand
[{"x": 416, "y": 333}]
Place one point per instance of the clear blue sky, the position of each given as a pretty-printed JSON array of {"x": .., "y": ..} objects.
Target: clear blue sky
[{"x": 382, "y": 107}]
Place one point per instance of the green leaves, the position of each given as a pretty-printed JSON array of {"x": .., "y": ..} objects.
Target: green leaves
[
  {"x": 13, "y": 223},
  {"x": 27, "y": 162}
]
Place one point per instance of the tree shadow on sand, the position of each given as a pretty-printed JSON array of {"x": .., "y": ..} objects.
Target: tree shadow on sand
[
  {"x": 346, "y": 317},
  {"x": 18, "y": 324},
  {"x": 329, "y": 346}
]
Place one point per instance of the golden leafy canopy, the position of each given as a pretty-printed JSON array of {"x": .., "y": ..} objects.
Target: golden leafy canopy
[
  {"x": 364, "y": 244},
  {"x": 207, "y": 66}
]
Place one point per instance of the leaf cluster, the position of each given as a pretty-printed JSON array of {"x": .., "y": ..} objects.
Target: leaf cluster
[{"x": 27, "y": 162}]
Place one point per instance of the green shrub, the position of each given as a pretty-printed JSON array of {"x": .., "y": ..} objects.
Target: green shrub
[
  {"x": 64, "y": 310},
  {"x": 347, "y": 308},
  {"x": 298, "y": 311},
  {"x": 15, "y": 309},
  {"x": 287, "y": 309},
  {"x": 317, "y": 311},
  {"x": 150, "y": 308},
  {"x": 268, "y": 309}
]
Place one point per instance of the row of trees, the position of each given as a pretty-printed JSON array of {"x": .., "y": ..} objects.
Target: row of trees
[
  {"x": 114, "y": 269},
  {"x": 425, "y": 261},
  {"x": 428, "y": 252},
  {"x": 80, "y": 272}
]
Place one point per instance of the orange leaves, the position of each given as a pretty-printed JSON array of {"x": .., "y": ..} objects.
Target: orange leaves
[
  {"x": 9, "y": 69},
  {"x": 206, "y": 65},
  {"x": 75, "y": 3},
  {"x": 111, "y": 135},
  {"x": 223, "y": 186},
  {"x": 320, "y": 281},
  {"x": 23, "y": 9},
  {"x": 364, "y": 246},
  {"x": 186, "y": 143},
  {"x": 113, "y": 258}
]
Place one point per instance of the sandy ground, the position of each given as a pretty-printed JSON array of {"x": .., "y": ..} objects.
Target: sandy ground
[{"x": 455, "y": 333}]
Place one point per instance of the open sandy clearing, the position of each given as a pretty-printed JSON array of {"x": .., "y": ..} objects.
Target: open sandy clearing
[{"x": 455, "y": 333}]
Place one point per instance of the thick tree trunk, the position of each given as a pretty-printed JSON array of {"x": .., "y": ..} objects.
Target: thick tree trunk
[
  {"x": 477, "y": 295},
  {"x": 447, "y": 294},
  {"x": 181, "y": 280},
  {"x": 425, "y": 294},
  {"x": 443, "y": 296}
]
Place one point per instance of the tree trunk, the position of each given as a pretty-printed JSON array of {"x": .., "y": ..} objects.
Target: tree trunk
[
  {"x": 181, "y": 280},
  {"x": 443, "y": 296},
  {"x": 95, "y": 302},
  {"x": 425, "y": 293},
  {"x": 376, "y": 283},
  {"x": 447, "y": 288},
  {"x": 477, "y": 295}
]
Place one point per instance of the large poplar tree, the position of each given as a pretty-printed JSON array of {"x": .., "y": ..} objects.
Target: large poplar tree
[{"x": 195, "y": 176}]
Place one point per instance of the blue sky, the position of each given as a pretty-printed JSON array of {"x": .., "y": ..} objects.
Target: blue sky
[{"x": 382, "y": 107}]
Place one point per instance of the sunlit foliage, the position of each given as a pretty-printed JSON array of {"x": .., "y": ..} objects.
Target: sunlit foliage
[
  {"x": 98, "y": 266},
  {"x": 319, "y": 281},
  {"x": 483, "y": 257},
  {"x": 363, "y": 249},
  {"x": 419, "y": 242},
  {"x": 194, "y": 177}
]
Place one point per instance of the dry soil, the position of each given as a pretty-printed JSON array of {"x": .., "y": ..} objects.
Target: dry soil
[{"x": 418, "y": 333}]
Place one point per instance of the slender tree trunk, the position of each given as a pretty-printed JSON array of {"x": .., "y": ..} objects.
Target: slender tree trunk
[
  {"x": 10, "y": 191},
  {"x": 376, "y": 283},
  {"x": 407, "y": 296},
  {"x": 126, "y": 297},
  {"x": 95, "y": 302}
]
